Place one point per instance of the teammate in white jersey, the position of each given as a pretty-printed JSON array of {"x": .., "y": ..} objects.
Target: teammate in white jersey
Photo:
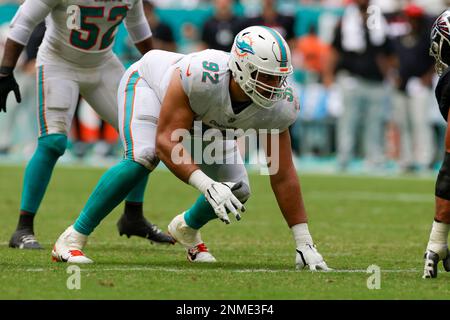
[
  {"x": 75, "y": 58},
  {"x": 164, "y": 93}
]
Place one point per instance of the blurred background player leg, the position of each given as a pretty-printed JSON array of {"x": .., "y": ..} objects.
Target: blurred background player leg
[{"x": 57, "y": 97}]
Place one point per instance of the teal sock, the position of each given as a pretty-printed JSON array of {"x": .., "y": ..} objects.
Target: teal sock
[
  {"x": 199, "y": 214},
  {"x": 112, "y": 188},
  {"x": 137, "y": 194},
  {"x": 39, "y": 170}
]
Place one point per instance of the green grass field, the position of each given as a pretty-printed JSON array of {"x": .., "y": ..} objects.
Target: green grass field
[{"x": 355, "y": 221}]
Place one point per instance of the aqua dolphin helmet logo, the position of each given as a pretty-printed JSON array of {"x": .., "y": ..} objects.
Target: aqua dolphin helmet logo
[{"x": 244, "y": 44}]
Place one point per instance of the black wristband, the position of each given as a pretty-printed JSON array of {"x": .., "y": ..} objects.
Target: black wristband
[{"x": 6, "y": 70}]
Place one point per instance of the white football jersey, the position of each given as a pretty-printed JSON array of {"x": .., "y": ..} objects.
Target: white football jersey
[
  {"x": 81, "y": 32},
  {"x": 205, "y": 78}
]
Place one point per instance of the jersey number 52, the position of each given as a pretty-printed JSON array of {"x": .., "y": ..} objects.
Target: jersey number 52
[{"x": 85, "y": 33}]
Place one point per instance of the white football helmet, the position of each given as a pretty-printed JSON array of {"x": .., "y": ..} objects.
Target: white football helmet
[
  {"x": 260, "y": 62},
  {"x": 440, "y": 42}
]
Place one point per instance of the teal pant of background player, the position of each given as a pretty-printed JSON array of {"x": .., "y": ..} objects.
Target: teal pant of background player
[
  {"x": 112, "y": 188},
  {"x": 137, "y": 193},
  {"x": 40, "y": 168}
]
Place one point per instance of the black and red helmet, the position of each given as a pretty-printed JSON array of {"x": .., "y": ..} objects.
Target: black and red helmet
[{"x": 440, "y": 42}]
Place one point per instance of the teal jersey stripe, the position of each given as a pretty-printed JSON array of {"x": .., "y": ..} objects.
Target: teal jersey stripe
[
  {"x": 129, "y": 105},
  {"x": 41, "y": 101},
  {"x": 281, "y": 45}
]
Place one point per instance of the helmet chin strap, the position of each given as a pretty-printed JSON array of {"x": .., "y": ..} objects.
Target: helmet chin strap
[
  {"x": 237, "y": 94},
  {"x": 440, "y": 67}
]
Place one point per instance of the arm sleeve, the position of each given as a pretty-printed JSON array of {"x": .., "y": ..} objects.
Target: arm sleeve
[
  {"x": 137, "y": 24},
  {"x": 196, "y": 90},
  {"x": 187, "y": 66},
  {"x": 29, "y": 15}
]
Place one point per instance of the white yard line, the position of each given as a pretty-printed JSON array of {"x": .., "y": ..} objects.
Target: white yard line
[{"x": 181, "y": 270}]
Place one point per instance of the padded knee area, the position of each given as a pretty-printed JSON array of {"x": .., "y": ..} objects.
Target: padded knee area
[
  {"x": 443, "y": 179},
  {"x": 147, "y": 157},
  {"x": 56, "y": 144},
  {"x": 241, "y": 191}
]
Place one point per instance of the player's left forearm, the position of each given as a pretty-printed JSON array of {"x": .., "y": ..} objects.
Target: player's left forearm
[
  {"x": 286, "y": 188},
  {"x": 11, "y": 54},
  {"x": 144, "y": 46}
]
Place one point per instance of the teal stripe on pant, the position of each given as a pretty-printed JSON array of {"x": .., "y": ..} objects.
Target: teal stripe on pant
[
  {"x": 137, "y": 194},
  {"x": 41, "y": 101},
  {"x": 130, "y": 93}
]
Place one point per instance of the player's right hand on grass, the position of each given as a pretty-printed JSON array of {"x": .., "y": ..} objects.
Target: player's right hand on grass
[
  {"x": 222, "y": 199},
  {"x": 7, "y": 84},
  {"x": 308, "y": 257}
]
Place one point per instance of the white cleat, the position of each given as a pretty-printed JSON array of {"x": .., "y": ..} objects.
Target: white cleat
[
  {"x": 190, "y": 239},
  {"x": 68, "y": 247},
  {"x": 200, "y": 253},
  {"x": 432, "y": 256}
]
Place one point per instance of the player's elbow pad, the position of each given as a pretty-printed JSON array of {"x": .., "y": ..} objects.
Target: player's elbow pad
[
  {"x": 136, "y": 23},
  {"x": 26, "y": 19},
  {"x": 443, "y": 179},
  {"x": 138, "y": 32}
]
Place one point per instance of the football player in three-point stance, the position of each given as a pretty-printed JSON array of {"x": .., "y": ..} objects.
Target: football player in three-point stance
[
  {"x": 165, "y": 92},
  {"x": 75, "y": 58},
  {"x": 437, "y": 248}
]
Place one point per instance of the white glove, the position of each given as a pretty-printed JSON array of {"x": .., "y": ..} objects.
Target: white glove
[
  {"x": 308, "y": 256},
  {"x": 222, "y": 199},
  {"x": 218, "y": 194}
]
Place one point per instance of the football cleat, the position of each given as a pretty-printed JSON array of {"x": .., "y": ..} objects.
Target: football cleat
[
  {"x": 432, "y": 259},
  {"x": 190, "y": 239},
  {"x": 143, "y": 228},
  {"x": 446, "y": 262},
  {"x": 431, "y": 263},
  {"x": 200, "y": 253},
  {"x": 308, "y": 257},
  {"x": 68, "y": 247},
  {"x": 24, "y": 239}
]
